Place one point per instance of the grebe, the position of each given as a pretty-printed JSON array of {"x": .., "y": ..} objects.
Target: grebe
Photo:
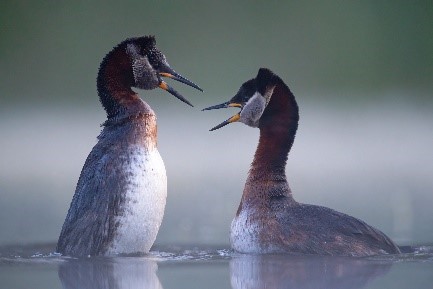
[
  {"x": 268, "y": 219},
  {"x": 120, "y": 196}
]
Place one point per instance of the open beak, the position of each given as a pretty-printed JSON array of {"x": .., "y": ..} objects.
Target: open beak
[
  {"x": 166, "y": 87},
  {"x": 234, "y": 118},
  {"x": 180, "y": 78},
  {"x": 170, "y": 73}
]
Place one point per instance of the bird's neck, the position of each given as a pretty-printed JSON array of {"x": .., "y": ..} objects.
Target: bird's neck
[
  {"x": 278, "y": 126},
  {"x": 114, "y": 82}
]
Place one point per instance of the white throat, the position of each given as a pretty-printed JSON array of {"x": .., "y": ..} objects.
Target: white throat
[{"x": 253, "y": 110}]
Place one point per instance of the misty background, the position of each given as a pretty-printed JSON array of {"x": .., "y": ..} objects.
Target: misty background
[{"x": 362, "y": 73}]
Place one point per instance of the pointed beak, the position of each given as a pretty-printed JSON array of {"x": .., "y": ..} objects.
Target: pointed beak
[
  {"x": 180, "y": 78},
  {"x": 227, "y": 104},
  {"x": 234, "y": 118},
  {"x": 223, "y": 105},
  {"x": 173, "y": 92},
  {"x": 218, "y": 106},
  {"x": 167, "y": 71}
]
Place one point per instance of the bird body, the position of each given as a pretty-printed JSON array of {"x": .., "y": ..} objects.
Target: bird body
[
  {"x": 139, "y": 225},
  {"x": 306, "y": 229},
  {"x": 121, "y": 193},
  {"x": 120, "y": 196},
  {"x": 268, "y": 219}
]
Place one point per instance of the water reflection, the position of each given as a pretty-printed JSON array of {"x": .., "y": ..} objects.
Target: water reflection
[
  {"x": 118, "y": 273},
  {"x": 303, "y": 272}
]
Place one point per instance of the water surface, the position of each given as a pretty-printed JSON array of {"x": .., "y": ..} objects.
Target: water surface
[{"x": 37, "y": 266}]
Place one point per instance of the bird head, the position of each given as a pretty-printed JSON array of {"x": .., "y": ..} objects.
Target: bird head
[
  {"x": 252, "y": 99},
  {"x": 149, "y": 66}
]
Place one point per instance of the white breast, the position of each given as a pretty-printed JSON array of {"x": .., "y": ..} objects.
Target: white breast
[
  {"x": 145, "y": 198},
  {"x": 244, "y": 234}
]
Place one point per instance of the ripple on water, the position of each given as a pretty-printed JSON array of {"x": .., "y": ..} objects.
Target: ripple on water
[
  {"x": 170, "y": 254},
  {"x": 45, "y": 254},
  {"x": 173, "y": 254}
]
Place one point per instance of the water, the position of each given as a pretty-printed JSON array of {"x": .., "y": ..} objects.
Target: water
[{"x": 35, "y": 266}]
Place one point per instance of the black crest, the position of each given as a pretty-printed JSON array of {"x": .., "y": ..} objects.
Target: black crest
[
  {"x": 264, "y": 78},
  {"x": 145, "y": 43}
]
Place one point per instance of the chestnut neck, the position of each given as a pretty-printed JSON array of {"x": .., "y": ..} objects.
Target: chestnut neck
[
  {"x": 278, "y": 126},
  {"x": 114, "y": 82}
]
